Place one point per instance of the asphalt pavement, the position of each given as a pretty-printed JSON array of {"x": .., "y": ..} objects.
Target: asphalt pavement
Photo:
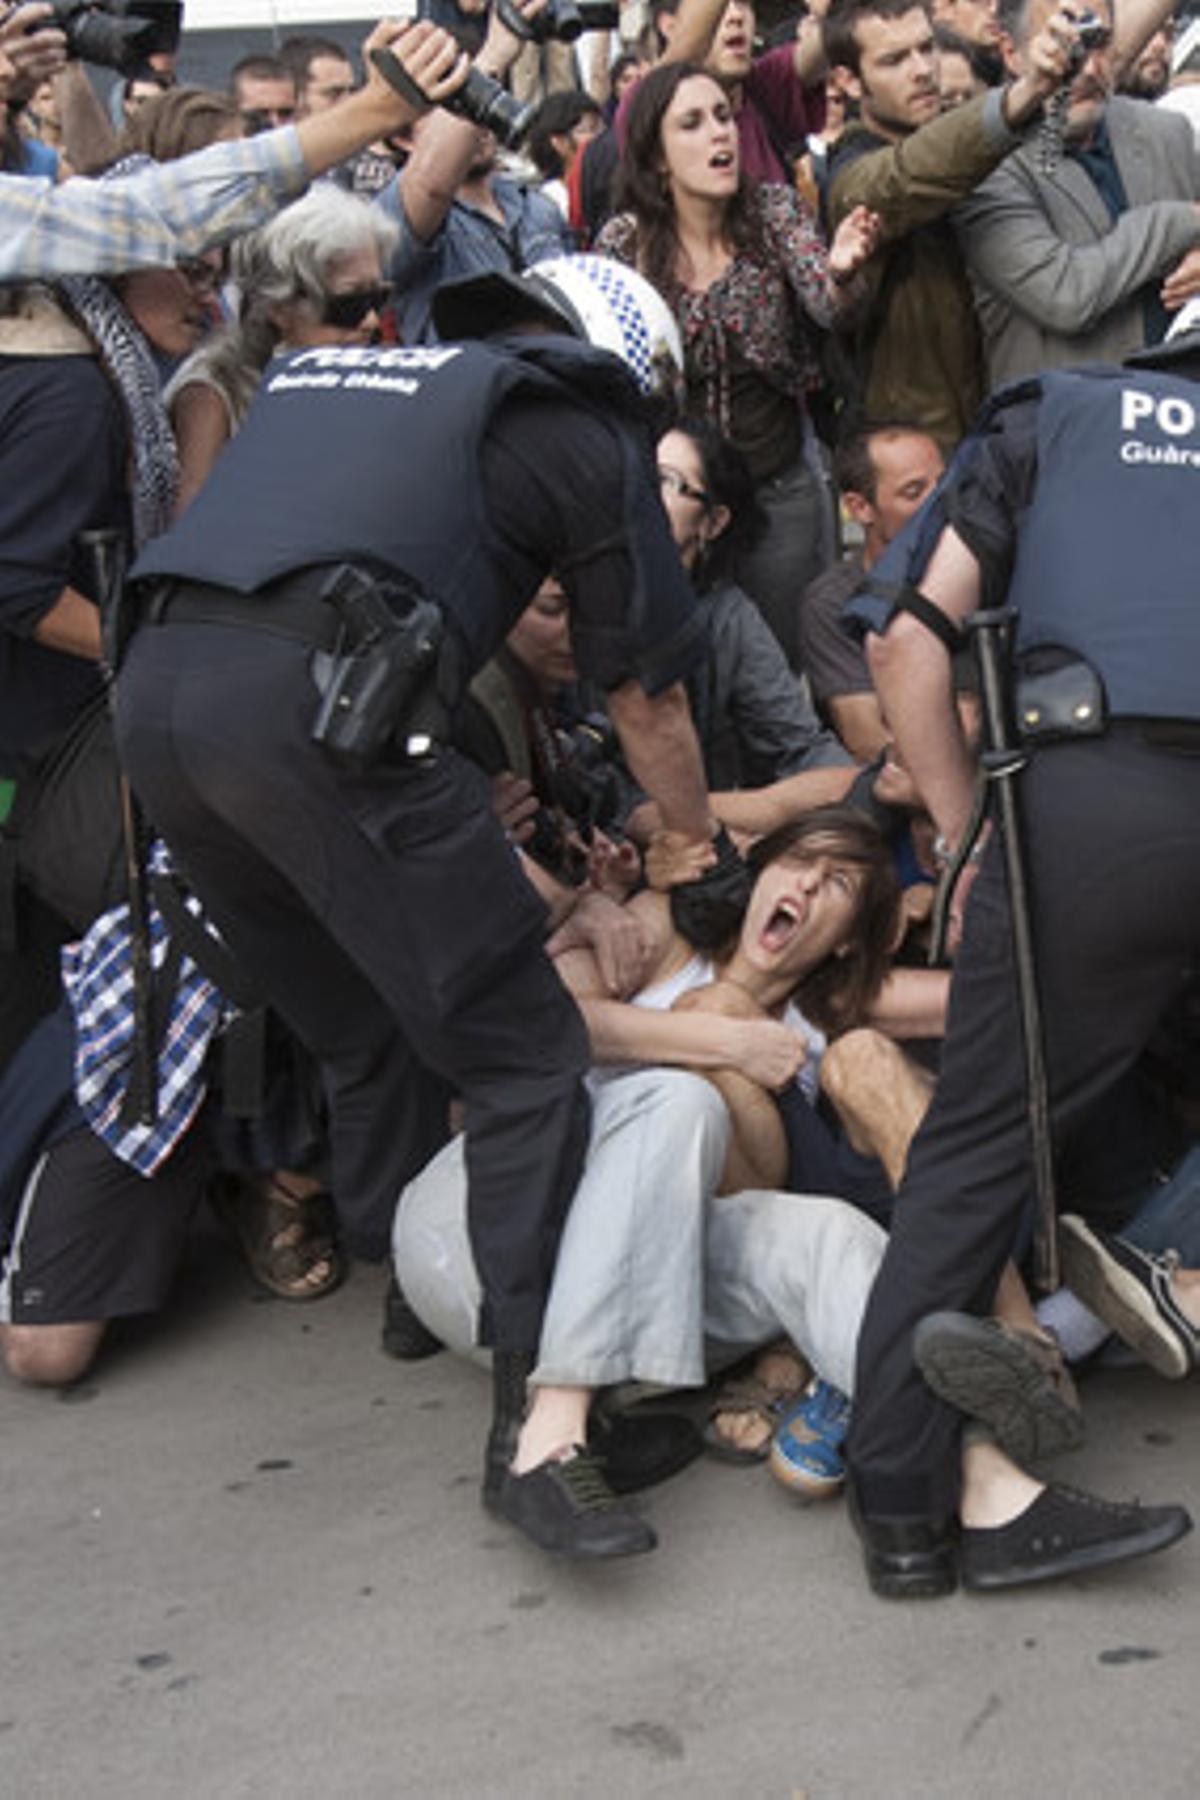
[{"x": 246, "y": 1558}]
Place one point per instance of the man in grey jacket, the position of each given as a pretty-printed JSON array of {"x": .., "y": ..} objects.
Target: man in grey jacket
[{"x": 1086, "y": 261}]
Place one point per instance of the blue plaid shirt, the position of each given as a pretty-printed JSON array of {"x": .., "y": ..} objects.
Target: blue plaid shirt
[
  {"x": 150, "y": 217},
  {"x": 98, "y": 978}
]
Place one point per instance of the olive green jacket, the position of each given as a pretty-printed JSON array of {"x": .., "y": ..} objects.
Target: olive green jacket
[{"x": 916, "y": 347}]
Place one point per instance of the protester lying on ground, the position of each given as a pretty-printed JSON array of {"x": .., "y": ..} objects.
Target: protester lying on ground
[
  {"x": 752, "y": 283},
  {"x": 635, "y": 1289},
  {"x": 312, "y": 276},
  {"x": 157, "y": 215}
]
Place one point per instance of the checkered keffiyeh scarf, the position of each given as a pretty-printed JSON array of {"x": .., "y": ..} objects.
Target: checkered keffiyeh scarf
[
  {"x": 98, "y": 978},
  {"x": 130, "y": 367}
]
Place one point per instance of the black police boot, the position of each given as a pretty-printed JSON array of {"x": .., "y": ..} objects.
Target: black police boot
[
  {"x": 404, "y": 1336},
  {"x": 510, "y": 1371}
]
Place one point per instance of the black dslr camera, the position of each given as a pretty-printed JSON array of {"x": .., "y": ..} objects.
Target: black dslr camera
[
  {"x": 564, "y": 20},
  {"x": 1091, "y": 33},
  {"x": 481, "y": 99},
  {"x": 117, "y": 34},
  {"x": 587, "y": 794}
]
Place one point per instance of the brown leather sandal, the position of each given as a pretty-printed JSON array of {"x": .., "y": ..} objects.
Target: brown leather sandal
[{"x": 285, "y": 1237}]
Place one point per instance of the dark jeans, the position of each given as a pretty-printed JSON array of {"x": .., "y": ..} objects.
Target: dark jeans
[
  {"x": 389, "y": 923},
  {"x": 1113, "y": 829}
]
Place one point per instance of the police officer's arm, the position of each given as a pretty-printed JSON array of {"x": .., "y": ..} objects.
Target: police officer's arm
[
  {"x": 913, "y": 676},
  {"x": 72, "y": 625},
  {"x": 663, "y": 754}
]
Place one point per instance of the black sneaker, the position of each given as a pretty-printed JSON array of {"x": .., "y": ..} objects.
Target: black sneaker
[
  {"x": 404, "y": 1336},
  {"x": 637, "y": 1450},
  {"x": 1017, "y": 1384},
  {"x": 1130, "y": 1289},
  {"x": 1065, "y": 1532},
  {"x": 567, "y": 1507}
]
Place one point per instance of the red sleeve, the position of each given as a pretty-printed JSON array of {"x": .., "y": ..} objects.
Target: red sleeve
[{"x": 772, "y": 85}]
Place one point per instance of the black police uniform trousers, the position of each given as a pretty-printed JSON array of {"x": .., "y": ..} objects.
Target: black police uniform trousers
[
  {"x": 1113, "y": 839},
  {"x": 388, "y": 922}
]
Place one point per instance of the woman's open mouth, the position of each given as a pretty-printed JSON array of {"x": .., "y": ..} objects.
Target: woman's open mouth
[{"x": 781, "y": 927}]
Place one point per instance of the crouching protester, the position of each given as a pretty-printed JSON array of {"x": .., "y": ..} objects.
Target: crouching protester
[
  {"x": 1075, "y": 502},
  {"x": 362, "y": 547},
  {"x": 683, "y": 1250}
]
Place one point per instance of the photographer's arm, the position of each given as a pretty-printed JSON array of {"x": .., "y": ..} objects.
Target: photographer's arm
[
  {"x": 447, "y": 146},
  {"x": 89, "y": 141},
  {"x": 158, "y": 214}
]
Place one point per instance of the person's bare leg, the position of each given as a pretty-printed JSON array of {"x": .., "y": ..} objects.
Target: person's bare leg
[
  {"x": 994, "y": 1490},
  {"x": 881, "y": 1097},
  {"x": 880, "y": 1094},
  {"x": 555, "y": 1422},
  {"x": 50, "y": 1355}
]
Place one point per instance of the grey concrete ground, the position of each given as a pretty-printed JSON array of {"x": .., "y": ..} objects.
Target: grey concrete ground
[{"x": 247, "y": 1559}]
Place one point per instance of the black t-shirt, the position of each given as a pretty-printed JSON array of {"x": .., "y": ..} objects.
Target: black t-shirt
[{"x": 62, "y": 471}]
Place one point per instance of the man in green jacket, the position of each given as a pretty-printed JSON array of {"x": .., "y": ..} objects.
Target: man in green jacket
[{"x": 917, "y": 346}]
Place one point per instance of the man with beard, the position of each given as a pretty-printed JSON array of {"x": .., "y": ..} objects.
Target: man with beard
[
  {"x": 457, "y": 216},
  {"x": 1148, "y": 76},
  {"x": 916, "y": 346},
  {"x": 1084, "y": 260},
  {"x": 976, "y": 23}
]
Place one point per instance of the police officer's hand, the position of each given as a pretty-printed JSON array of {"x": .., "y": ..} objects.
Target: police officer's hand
[
  {"x": 616, "y": 938},
  {"x": 671, "y": 857},
  {"x": 1183, "y": 282},
  {"x": 431, "y": 58}
]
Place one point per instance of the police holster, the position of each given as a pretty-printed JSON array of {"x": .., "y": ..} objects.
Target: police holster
[
  {"x": 381, "y": 684},
  {"x": 1001, "y": 761}
]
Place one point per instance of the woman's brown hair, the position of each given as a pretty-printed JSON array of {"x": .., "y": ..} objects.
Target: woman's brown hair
[{"x": 838, "y": 994}]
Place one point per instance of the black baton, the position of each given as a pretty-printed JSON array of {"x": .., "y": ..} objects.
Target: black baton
[{"x": 1002, "y": 761}]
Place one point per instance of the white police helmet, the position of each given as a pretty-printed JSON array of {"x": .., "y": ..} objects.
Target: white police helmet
[
  {"x": 594, "y": 298},
  {"x": 616, "y": 309}
]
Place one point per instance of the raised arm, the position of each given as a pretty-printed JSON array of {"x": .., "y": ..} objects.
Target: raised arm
[{"x": 170, "y": 210}]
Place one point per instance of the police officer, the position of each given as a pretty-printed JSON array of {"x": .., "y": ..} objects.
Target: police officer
[
  {"x": 375, "y": 895},
  {"x": 1076, "y": 498}
]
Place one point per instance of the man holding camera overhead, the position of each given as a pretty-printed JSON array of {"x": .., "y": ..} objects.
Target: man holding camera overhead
[
  {"x": 458, "y": 216},
  {"x": 1084, "y": 255}
]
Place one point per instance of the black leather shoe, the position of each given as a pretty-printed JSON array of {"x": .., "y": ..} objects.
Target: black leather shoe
[
  {"x": 1066, "y": 1532},
  {"x": 636, "y": 1450},
  {"x": 510, "y": 1372},
  {"x": 568, "y": 1508},
  {"x": 907, "y": 1559},
  {"x": 404, "y": 1336}
]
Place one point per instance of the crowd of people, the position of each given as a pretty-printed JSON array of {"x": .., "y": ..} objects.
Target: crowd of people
[{"x": 492, "y": 722}]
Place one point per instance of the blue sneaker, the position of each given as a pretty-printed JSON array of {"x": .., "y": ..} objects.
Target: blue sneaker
[{"x": 806, "y": 1452}]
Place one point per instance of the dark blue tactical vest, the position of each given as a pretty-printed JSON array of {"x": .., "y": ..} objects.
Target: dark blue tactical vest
[
  {"x": 1108, "y": 558},
  {"x": 374, "y": 454}
]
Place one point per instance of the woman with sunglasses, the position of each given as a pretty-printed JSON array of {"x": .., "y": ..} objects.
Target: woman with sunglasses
[
  {"x": 313, "y": 276},
  {"x": 754, "y": 287}
]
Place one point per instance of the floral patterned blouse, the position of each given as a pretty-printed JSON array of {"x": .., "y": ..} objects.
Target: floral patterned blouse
[{"x": 747, "y": 319}]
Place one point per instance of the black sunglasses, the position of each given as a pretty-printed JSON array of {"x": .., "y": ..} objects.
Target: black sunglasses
[{"x": 348, "y": 310}]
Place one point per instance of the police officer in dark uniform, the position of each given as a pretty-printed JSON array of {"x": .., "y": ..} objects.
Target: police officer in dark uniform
[
  {"x": 370, "y": 888},
  {"x": 1076, "y": 499}
]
